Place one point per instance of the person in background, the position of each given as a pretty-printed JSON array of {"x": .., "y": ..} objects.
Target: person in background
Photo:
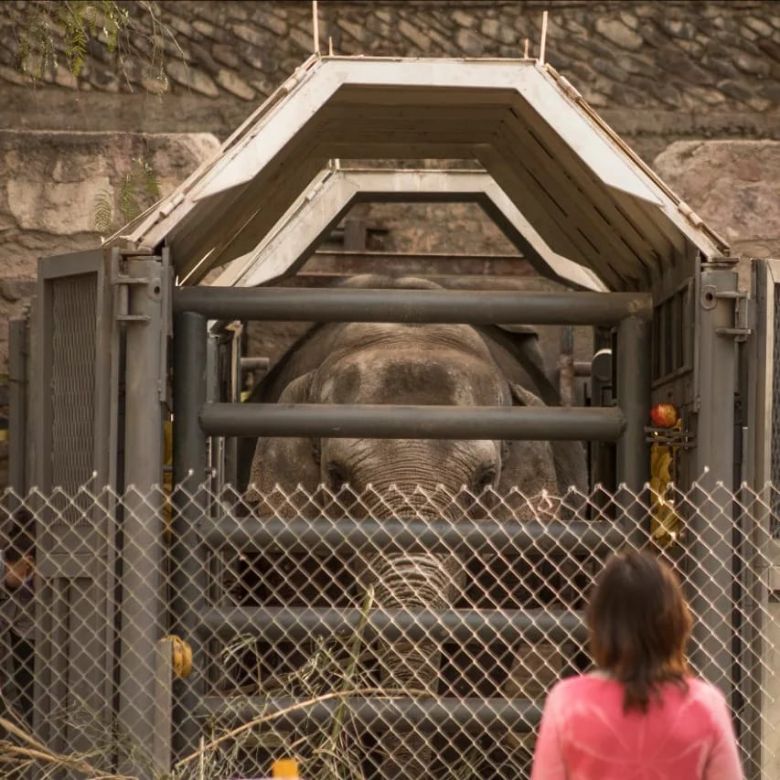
[
  {"x": 16, "y": 618},
  {"x": 641, "y": 715}
]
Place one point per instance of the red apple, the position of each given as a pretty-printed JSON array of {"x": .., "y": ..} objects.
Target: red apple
[{"x": 664, "y": 415}]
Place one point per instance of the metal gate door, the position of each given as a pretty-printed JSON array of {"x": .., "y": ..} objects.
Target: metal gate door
[{"x": 76, "y": 541}]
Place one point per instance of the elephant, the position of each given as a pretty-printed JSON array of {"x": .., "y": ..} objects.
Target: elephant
[{"x": 420, "y": 364}]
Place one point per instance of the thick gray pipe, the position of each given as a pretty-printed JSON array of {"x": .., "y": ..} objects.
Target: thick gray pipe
[
  {"x": 380, "y": 421},
  {"x": 189, "y": 573},
  {"x": 346, "y": 535},
  {"x": 143, "y": 607},
  {"x": 380, "y": 715},
  {"x": 464, "y": 626},
  {"x": 453, "y": 306}
]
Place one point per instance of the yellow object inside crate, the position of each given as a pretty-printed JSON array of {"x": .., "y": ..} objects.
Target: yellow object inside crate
[
  {"x": 285, "y": 768},
  {"x": 665, "y": 523}
]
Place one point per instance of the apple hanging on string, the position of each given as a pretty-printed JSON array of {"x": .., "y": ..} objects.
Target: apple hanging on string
[{"x": 664, "y": 415}]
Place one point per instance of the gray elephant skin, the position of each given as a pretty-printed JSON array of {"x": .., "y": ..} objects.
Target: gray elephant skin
[{"x": 420, "y": 364}]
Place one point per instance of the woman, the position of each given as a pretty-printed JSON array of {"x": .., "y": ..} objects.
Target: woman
[{"x": 641, "y": 715}]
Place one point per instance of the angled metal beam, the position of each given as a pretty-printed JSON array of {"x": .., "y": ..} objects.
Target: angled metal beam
[{"x": 333, "y": 192}]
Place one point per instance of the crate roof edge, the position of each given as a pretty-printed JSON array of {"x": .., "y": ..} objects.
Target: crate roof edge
[{"x": 581, "y": 203}]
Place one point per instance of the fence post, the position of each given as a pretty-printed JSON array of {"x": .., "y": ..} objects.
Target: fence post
[
  {"x": 189, "y": 575},
  {"x": 142, "y": 583}
]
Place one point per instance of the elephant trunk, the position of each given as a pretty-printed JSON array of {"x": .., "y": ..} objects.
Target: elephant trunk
[{"x": 408, "y": 667}]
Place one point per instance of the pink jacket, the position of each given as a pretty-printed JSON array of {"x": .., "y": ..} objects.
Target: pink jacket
[{"x": 585, "y": 735}]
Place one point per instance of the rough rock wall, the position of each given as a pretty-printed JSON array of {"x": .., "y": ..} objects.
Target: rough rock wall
[
  {"x": 660, "y": 70},
  {"x": 52, "y": 183},
  {"x": 50, "y": 189},
  {"x": 734, "y": 186}
]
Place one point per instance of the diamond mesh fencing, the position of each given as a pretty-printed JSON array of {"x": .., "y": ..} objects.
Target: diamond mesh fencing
[{"x": 392, "y": 634}]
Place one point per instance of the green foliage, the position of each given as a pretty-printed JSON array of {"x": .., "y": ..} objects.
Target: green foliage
[
  {"x": 104, "y": 212},
  {"x": 129, "y": 31},
  {"x": 75, "y": 36},
  {"x": 137, "y": 190}
]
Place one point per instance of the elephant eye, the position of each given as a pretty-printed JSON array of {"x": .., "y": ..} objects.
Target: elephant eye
[
  {"x": 335, "y": 476},
  {"x": 483, "y": 480}
]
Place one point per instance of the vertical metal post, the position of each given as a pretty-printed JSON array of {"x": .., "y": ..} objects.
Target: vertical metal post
[
  {"x": 190, "y": 504},
  {"x": 213, "y": 393},
  {"x": 633, "y": 396},
  {"x": 566, "y": 380},
  {"x": 712, "y": 523},
  {"x": 602, "y": 456},
  {"x": 17, "y": 406},
  {"x": 163, "y": 693},
  {"x": 142, "y": 580}
]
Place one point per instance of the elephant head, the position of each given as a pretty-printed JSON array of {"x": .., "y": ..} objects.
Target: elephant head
[{"x": 404, "y": 364}]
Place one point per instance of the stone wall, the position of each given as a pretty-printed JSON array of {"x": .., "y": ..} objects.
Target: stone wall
[
  {"x": 734, "y": 186},
  {"x": 50, "y": 189},
  {"x": 658, "y": 71},
  {"x": 52, "y": 184}
]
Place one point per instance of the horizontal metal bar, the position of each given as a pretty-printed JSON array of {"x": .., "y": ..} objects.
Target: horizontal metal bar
[
  {"x": 582, "y": 368},
  {"x": 325, "y": 536},
  {"x": 255, "y": 363},
  {"x": 533, "y": 423},
  {"x": 455, "y": 306},
  {"x": 466, "y": 626},
  {"x": 379, "y": 715}
]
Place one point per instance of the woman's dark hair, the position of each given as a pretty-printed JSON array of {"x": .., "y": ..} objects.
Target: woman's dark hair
[{"x": 639, "y": 626}]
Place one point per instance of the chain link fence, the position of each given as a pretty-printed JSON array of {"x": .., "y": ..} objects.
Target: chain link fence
[{"x": 393, "y": 634}]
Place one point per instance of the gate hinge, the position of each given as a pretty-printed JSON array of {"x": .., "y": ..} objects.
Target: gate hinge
[{"x": 741, "y": 328}]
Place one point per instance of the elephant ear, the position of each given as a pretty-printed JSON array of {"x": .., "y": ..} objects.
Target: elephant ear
[
  {"x": 568, "y": 457},
  {"x": 527, "y": 466},
  {"x": 285, "y": 473}
]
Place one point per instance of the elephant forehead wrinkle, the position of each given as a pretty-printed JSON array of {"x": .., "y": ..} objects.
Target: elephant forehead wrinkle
[{"x": 363, "y": 335}]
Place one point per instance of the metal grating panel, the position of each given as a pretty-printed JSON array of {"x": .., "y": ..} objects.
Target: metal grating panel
[{"x": 74, "y": 301}]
